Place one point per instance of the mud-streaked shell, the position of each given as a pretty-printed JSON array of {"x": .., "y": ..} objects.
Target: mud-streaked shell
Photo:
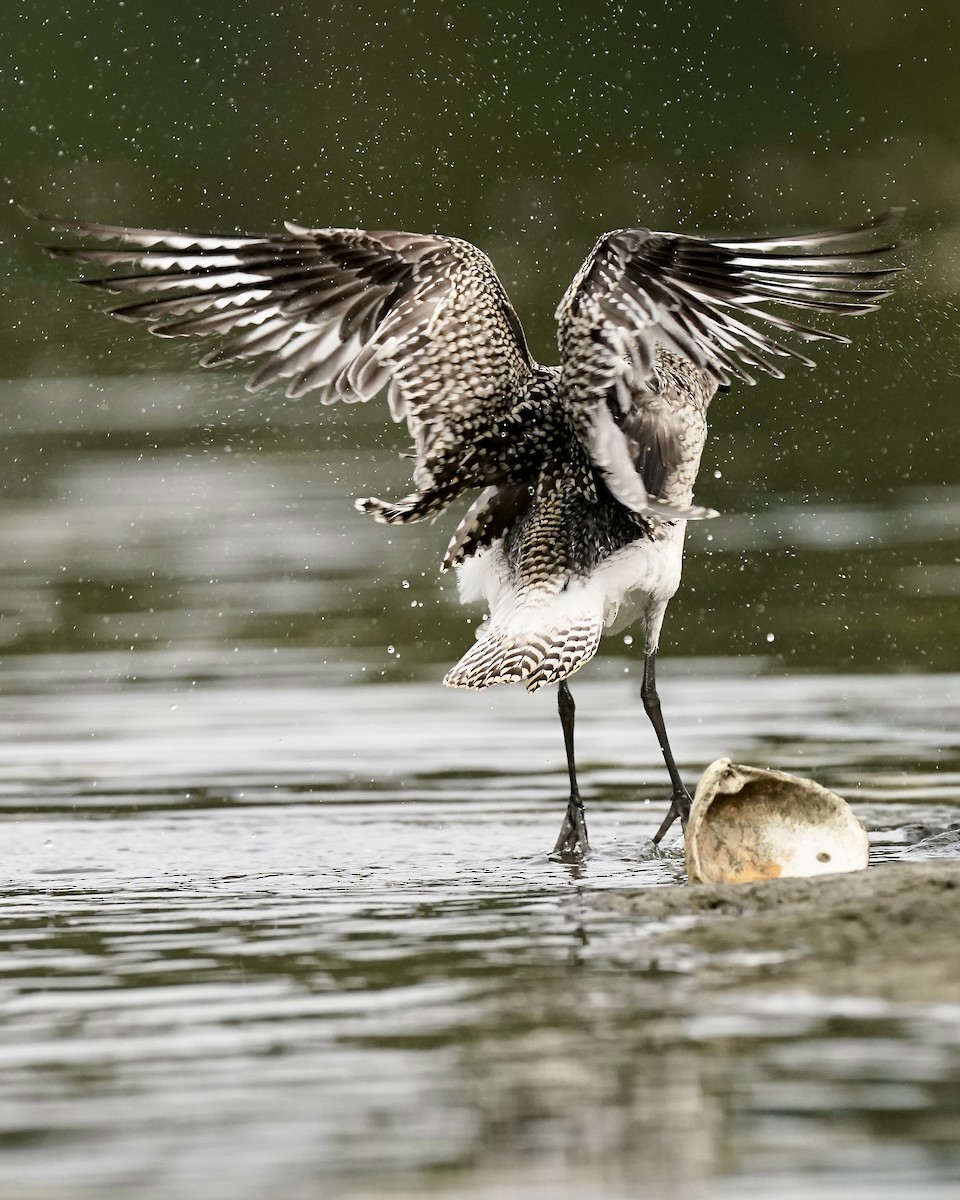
[{"x": 748, "y": 823}]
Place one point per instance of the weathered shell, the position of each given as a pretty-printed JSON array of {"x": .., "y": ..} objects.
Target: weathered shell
[{"x": 748, "y": 823}]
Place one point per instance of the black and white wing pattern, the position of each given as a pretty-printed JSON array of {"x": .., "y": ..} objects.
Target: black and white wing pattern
[
  {"x": 342, "y": 311},
  {"x": 639, "y": 291}
]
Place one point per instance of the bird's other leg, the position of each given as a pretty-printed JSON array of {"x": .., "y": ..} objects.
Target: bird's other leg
[
  {"x": 680, "y": 800},
  {"x": 573, "y": 833}
]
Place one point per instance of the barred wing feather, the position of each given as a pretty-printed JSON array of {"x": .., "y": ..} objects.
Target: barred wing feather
[
  {"x": 341, "y": 311},
  {"x": 703, "y": 300}
]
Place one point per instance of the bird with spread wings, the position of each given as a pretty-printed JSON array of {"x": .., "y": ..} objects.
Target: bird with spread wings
[{"x": 583, "y": 472}]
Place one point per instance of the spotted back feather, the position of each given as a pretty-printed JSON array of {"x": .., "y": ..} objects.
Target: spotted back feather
[{"x": 493, "y": 512}]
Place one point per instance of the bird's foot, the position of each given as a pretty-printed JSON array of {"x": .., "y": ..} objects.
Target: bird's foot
[
  {"x": 679, "y": 808},
  {"x": 573, "y": 843}
]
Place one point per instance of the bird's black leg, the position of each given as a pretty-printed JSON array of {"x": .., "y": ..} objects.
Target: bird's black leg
[
  {"x": 680, "y": 800},
  {"x": 573, "y": 833}
]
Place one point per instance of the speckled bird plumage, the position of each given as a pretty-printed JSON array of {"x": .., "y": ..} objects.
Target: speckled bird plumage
[{"x": 585, "y": 470}]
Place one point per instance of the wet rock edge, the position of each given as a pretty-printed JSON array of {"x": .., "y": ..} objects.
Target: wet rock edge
[{"x": 891, "y": 932}]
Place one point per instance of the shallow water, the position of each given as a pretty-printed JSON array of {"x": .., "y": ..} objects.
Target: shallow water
[
  {"x": 277, "y": 912},
  {"x": 304, "y": 938}
]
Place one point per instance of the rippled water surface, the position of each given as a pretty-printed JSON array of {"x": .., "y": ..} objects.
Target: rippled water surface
[{"x": 277, "y": 914}]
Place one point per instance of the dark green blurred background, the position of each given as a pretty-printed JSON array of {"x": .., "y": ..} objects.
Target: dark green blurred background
[{"x": 528, "y": 129}]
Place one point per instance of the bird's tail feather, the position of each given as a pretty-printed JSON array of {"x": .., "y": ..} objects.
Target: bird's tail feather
[{"x": 534, "y": 656}]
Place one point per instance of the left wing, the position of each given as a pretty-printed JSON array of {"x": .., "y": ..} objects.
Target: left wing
[{"x": 340, "y": 311}]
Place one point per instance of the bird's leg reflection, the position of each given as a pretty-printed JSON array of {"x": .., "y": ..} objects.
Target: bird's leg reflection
[
  {"x": 680, "y": 800},
  {"x": 573, "y": 833}
]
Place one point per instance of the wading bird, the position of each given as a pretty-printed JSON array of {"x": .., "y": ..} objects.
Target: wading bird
[{"x": 585, "y": 470}]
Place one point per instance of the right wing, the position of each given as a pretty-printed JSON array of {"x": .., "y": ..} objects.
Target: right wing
[{"x": 639, "y": 291}]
